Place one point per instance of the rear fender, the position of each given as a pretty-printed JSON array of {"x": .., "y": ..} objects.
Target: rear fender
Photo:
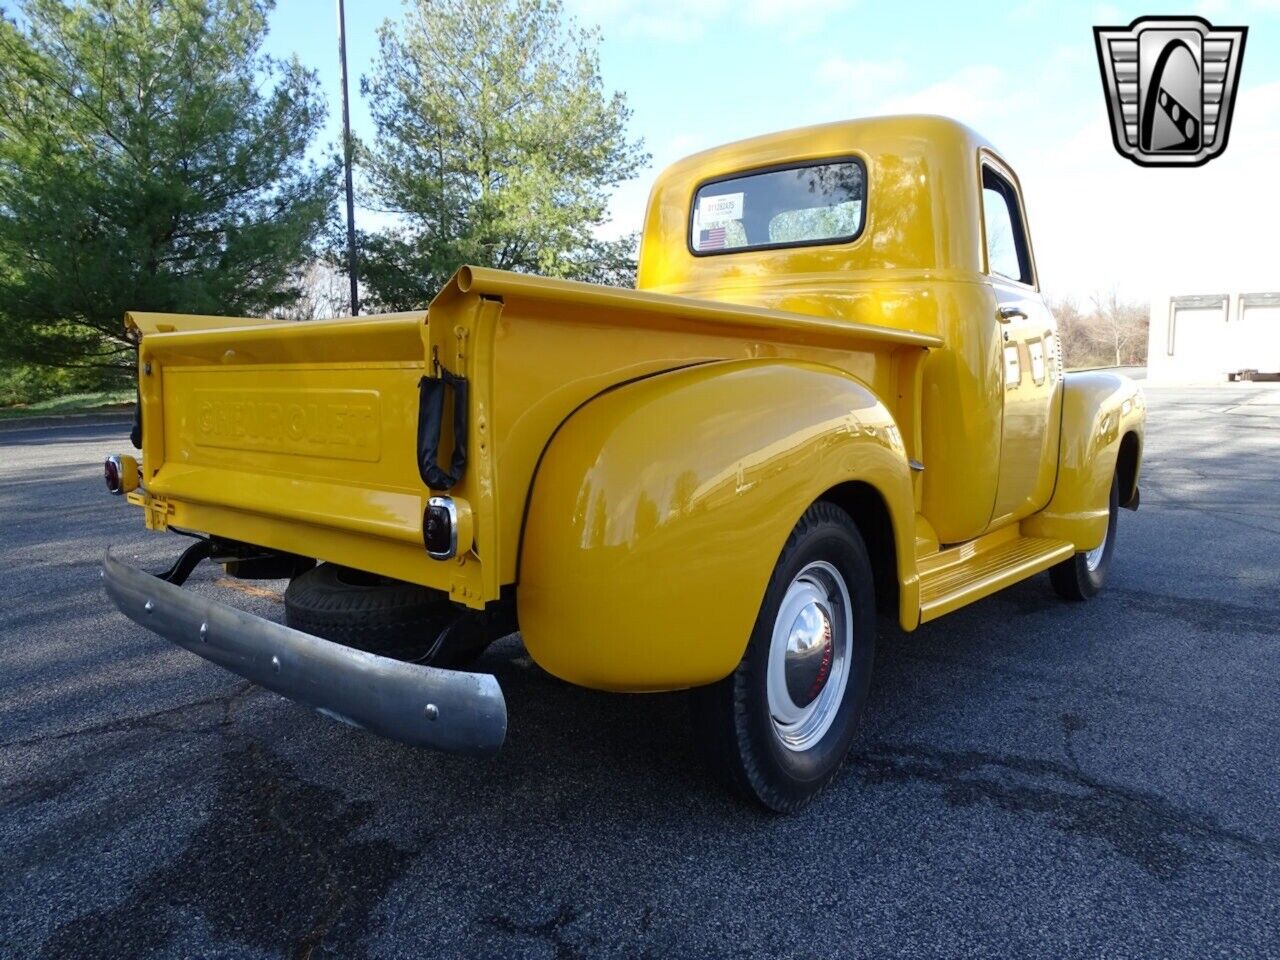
[
  {"x": 1099, "y": 409},
  {"x": 660, "y": 508}
]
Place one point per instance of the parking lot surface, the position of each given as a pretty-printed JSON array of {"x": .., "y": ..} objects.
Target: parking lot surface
[{"x": 1033, "y": 778}]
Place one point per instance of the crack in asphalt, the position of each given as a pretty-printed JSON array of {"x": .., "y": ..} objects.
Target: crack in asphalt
[
  {"x": 153, "y": 720},
  {"x": 1160, "y": 837},
  {"x": 1071, "y": 725},
  {"x": 550, "y": 930}
]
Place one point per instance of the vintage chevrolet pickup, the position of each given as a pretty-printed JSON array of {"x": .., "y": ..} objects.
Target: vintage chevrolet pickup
[{"x": 837, "y": 391}]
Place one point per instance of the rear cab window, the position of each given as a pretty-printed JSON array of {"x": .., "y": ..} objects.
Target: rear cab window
[{"x": 797, "y": 205}]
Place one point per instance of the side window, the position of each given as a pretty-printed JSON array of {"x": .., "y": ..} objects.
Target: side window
[{"x": 1006, "y": 242}]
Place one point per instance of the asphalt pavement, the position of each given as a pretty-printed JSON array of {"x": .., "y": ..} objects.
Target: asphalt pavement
[{"x": 1033, "y": 778}]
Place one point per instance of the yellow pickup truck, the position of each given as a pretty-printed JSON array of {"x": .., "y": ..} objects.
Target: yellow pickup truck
[{"x": 836, "y": 391}]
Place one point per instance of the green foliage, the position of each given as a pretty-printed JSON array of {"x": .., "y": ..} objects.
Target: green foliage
[
  {"x": 101, "y": 401},
  {"x": 29, "y": 383},
  {"x": 496, "y": 145},
  {"x": 151, "y": 158}
]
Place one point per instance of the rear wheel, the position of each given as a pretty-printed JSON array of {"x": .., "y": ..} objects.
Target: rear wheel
[
  {"x": 383, "y": 616},
  {"x": 1082, "y": 576},
  {"x": 779, "y": 727}
]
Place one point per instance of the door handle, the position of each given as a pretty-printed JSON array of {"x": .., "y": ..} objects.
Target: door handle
[{"x": 1007, "y": 313}]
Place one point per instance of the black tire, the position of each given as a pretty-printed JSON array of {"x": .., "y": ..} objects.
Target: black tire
[
  {"x": 1073, "y": 579},
  {"x": 380, "y": 615},
  {"x": 733, "y": 718}
]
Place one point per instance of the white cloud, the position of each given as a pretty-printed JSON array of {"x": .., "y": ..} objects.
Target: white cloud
[
  {"x": 971, "y": 95},
  {"x": 1028, "y": 10},
  {"x": 1108, "y": 14},
  {"x": 804, "y": 14},
  {"x": 859, "y": 76},
  {"x": 684, "y": 21},
  {"x": 1232, "y": 11},
  {"x": 981, "y": 95}
]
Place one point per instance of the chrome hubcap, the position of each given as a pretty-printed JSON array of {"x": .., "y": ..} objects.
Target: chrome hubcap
[
  {"x": 809, "y": 656},
  {"x": 1093, "y": 558}
]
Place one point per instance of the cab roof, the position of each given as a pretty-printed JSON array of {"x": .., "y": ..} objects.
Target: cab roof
[{"x": 922, "y": 209}]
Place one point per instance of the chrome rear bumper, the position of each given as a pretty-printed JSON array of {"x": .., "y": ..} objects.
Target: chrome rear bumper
[{"x": 422, "y": 706}]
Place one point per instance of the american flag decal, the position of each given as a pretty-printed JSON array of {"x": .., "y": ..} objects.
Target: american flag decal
[{"x": 713, "y": 238}]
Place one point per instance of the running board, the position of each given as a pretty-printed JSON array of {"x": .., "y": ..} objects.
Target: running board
[{"x": 952, "y": 578}]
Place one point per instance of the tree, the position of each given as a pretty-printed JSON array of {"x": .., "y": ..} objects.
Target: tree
[
  {"x": 1120, "y": 328},
  {"x": 1076, "y": 349},
  {"x": 323, "y": 293},
  {"x": 495, "y": 145},
  {"x": 1111, "y": 333},
  {"x": 151, "y": 158}
]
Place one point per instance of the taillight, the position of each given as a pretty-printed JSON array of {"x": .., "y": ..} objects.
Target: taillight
[
  {"x": 111, "y": 472},
  {"x": 120, "y": 474},
  {"x": 440, "y": 528},
  {"x": 447, "y": 527}
]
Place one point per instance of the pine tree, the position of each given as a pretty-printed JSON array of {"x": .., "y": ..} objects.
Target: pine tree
[
  {"x": 151, "y": 158},
  {"x": 495, "y": 145}
]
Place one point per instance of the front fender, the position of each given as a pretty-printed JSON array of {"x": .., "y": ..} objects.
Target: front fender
[
  {"x": 660, "y": 508},
  {"x": 1099, "y": 409}
]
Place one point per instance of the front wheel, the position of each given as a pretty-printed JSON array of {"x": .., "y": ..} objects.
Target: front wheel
[
  {"x": 779, "y": 726},
  {"x": 1080, "y": 577}
]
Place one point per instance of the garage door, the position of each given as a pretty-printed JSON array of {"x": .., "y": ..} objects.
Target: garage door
[
  {"x": 1255, "y": 336},
  {"x": 1197, "y": 335}
]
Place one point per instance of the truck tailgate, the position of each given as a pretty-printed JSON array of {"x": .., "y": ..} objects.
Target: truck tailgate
[{"x": 294, "y": 436}]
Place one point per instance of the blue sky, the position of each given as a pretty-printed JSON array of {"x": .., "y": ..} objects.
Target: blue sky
[{"x": 1023, "y": 74}]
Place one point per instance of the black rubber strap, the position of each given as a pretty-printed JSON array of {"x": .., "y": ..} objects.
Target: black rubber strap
[
  {"x": 431, "y": 421},
  {"x": 135, "y": 435}
]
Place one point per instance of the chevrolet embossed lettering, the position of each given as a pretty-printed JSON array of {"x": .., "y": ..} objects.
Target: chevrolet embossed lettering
[{"x": 339, "y": 424}]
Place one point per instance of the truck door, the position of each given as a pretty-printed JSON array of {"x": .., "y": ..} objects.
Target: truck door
[{"x": 1032, "y": 366}]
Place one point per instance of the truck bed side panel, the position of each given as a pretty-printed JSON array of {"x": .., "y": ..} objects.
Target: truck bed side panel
[
  {"x": 303, "y": 436},
  {"x": 547, "y": 355}
]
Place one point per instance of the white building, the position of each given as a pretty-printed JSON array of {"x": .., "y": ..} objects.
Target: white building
[{"x": 1211, "y": 333}]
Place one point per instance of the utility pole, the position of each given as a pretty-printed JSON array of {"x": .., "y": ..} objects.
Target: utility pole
[{"x": 346, "y": 162}]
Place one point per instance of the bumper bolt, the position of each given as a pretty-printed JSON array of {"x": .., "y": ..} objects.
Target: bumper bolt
[
  {"x": 148, "y": 606},
  {"x": 431, "y": 711},
  {"x": 275, "y": 664}
]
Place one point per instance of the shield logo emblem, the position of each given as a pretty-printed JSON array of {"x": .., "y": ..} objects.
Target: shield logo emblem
[{"x": 1171, "y": 85}]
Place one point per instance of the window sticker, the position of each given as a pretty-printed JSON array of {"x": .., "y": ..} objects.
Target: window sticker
[{"x": 719, "y": 209}]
